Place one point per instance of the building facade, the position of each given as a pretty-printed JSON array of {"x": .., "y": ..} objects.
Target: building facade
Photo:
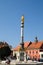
[{"x": 33, "y": 49}]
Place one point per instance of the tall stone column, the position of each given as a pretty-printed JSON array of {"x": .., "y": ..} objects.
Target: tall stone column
[
  {"x": 22, "y": 32},
  {"x": 22, "y": 39}
]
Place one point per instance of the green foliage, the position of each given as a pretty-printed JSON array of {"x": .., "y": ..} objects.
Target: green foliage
[{"x": 4, "y": 50}]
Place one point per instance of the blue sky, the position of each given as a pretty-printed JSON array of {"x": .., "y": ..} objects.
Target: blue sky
[{"x": 10, "y": 20}]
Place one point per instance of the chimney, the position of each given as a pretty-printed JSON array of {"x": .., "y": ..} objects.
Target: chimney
[{"x": 29, "y": 43}]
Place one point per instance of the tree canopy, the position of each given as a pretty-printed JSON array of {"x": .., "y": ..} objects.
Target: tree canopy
[{"x": 5, "y": 50}]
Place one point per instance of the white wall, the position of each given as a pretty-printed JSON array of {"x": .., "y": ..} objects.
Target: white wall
[
  {"x": 41, "y": 55},
  {"x": 18, "y": 55}
]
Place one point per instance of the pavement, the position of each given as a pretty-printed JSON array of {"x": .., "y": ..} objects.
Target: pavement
[{"x": 29, "y": 62}]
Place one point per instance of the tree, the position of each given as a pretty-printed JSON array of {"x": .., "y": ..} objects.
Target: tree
[{"x": 5, "y": 51}]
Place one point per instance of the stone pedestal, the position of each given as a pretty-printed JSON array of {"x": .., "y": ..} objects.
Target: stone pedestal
[{"x": 22, "y": 56}]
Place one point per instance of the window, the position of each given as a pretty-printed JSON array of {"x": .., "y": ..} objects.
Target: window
[
  {"x": 15, "y": 57},
  {"x": 30, "y": 52},
  {"x": 36, "y": 51},
  {"x": 42, "y": 55},
  {"x": 33, "y": 52}
]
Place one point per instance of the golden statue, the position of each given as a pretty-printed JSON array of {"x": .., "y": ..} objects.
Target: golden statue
[{"x": 22, "y": 19}]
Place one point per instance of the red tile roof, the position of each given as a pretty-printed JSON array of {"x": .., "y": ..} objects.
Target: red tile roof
[
  {"x": 18, "y": 47},
  {"x": 35, "y": 45},
  {"x": 27, "y": 45}
]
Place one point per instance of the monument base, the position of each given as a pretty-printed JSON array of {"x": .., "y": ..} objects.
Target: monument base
[{"x": 21, "y": 56}]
